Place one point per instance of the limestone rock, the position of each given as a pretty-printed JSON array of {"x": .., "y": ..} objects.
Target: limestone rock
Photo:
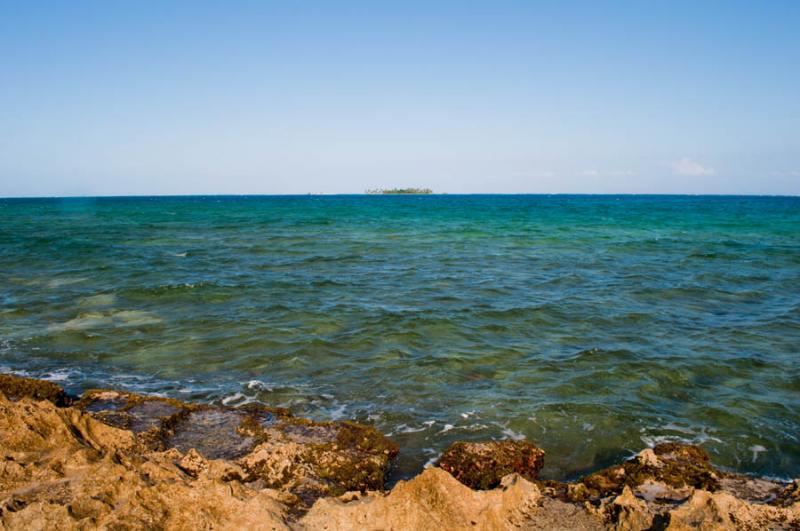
[{"x": 434, "y": 500}]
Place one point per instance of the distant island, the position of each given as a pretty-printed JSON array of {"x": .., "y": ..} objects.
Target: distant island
[{"x": 401, "y": 191}]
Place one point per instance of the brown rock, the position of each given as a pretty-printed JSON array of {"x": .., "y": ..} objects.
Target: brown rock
[
  {"x": 672, "y": 464},
  {"x": 308, "y": 459},
  {"x": 16, "y": 387},
  {"x": 789, "y": 495},
  {"x": 62, "y": 468},
  {"x": 483, "y": 465},
  {"x": 626, "y": 512}
]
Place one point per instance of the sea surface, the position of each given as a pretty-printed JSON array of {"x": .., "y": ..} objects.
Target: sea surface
[{"x": 592, "y": 325}]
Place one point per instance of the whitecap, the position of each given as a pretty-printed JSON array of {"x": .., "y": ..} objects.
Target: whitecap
[{"x": 447, "y": 427}]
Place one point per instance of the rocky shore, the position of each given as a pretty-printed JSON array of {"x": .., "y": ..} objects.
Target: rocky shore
[{"x": 116, "y": 460}]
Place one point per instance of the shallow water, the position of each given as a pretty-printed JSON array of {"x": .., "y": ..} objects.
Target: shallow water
[{"x": 592, "y": 325}]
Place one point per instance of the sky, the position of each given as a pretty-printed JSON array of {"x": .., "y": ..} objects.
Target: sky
[{"x": 152, "y": 98}]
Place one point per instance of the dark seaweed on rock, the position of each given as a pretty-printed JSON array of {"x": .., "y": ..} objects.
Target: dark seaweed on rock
[
  {"x": 675, "y": 465},
  {"x": 16, "y": 387},
  {"x": 63, "y": 468},
  {"x": 483, "y": 465},
  {"x": 309, "y": 459}
]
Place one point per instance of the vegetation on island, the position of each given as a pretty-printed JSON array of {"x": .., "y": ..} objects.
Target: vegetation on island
[{"x": 408, "y": 191}]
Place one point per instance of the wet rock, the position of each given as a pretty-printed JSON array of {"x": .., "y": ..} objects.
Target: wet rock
[
  {"x": 152, "y": 418},
  {"x": 16, "y": 387},
  {"x": 671, "y": 464},
  {"x": 213, "y": 433},
  {"x": 63, "y": 468},
  {"x": 752, "y": 489},
  {"x": 483, "y": 465},
  {"x": 313, "y": 459},
  {"x": 789, "y": 495},
  {"x": 308, "y": 459}
]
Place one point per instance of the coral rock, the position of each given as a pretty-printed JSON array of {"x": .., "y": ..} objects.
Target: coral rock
[{"x": 483, "y": 465}]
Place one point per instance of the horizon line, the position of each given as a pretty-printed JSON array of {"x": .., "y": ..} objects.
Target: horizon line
[{"x": 350, "y": 194}]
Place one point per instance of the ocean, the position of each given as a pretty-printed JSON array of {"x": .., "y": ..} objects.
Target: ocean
[{"x": 592, "y": 325}]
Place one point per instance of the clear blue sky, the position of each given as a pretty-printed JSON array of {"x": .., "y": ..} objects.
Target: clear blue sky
[{"x": 106, "y": 98}]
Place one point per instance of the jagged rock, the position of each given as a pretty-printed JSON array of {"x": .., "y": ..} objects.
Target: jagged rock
[
  {"x": 309, "y": 459},
  {"x": 722, "y": 511},
  {"x": 434, "y": 500},
  {"x": 626, "y": 512},
  {"x": 789, "y": 495},
  {"x": 483, "y": 465},
  {"x": 671, "y": 464},
  {"x": 16, "y": 387},
  {"x": 62, "y": 468}
]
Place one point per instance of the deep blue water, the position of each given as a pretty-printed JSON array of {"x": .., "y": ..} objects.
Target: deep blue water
[{"x": 593, "y": 325}]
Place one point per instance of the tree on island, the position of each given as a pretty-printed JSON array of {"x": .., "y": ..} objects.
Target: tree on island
[{"x": 401, "y": 191}]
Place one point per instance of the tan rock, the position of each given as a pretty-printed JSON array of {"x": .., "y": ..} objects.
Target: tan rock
[
  {"x": 708, "y": 511},
  {"x": 433, "y": 500}
]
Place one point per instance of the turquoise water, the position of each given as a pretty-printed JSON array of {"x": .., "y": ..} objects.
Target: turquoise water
[{"x": 593, "y": 325}]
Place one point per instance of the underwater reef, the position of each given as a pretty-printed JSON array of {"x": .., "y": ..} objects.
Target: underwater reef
[{"x": 111, "y": 459}]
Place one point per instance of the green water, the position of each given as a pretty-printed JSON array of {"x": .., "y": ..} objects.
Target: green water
[{"x": 593, "y": 326}]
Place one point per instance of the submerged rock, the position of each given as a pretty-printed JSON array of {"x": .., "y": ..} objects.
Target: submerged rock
[{"x": 483, "y": 465}]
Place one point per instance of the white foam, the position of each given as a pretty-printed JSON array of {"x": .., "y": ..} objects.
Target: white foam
[
  {"x": 403, "y": 428},
  {"x": 338, "y": 412},
  {"x": 233, "y": 398},
  {"x": 59, "y": 375},
  {"x": 447, "y": 427},
  {"x": 432, "y": 461},
  {"x": 259, "y": 385}
]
